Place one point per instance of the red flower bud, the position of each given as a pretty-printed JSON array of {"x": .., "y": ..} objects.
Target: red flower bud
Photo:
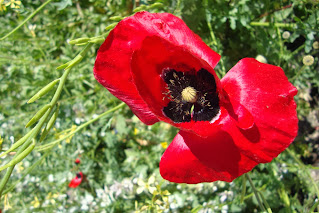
[{"x": 77, "y": 161}]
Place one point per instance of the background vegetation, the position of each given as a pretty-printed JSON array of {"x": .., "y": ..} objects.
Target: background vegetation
[{"x": 120, "y": 155}]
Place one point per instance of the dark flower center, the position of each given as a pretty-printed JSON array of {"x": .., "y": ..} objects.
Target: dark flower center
[
  {"x": 192, "y": 95},
  {"x": 78, "y": 175}
]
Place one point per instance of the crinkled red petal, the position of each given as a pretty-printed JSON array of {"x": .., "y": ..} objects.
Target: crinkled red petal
[
  {"x": 112, "y": 66},
  {"x": 193, "y": 159},
  {"x": 265, "y": 91},
  {"x": 75, "y": 182}
]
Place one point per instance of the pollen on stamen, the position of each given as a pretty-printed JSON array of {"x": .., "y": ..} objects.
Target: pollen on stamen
[{"x": 189, "y": 94}]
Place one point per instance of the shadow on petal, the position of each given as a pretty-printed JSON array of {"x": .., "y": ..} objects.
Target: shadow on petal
[{"x": 218, "y": 152}]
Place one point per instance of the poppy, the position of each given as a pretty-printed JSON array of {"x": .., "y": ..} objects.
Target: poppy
[
  {"x": 165, "y": 72},
  {"x": 75, "y": 182},
  {"x": 77, "y": 161}
]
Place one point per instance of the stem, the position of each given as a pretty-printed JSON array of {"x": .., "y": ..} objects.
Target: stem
[
  {"x": 281, "y": 46},
  {"x": 267, "y": 24},
  {"x": 255, "y": 192},
  {"x": 27, "y": 19},
  {"x": 243, "y": 192},
  {"x": 49, "y": 145}
]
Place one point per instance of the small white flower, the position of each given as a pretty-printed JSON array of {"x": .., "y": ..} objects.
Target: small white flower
[
  {"x": 286, "y": 35},
  {"x": 223, "y": 198},
  {"x": 261, "y": 58},
  {"x": 77, "y": 121}
]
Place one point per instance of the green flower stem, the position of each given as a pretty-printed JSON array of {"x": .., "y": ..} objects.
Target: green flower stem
[
  {"x": 281, "y": 45},
  {"x": 304, "y": 168},
  {"x": 267, "y": 24},
  {"x": 255, "y": 192},
  {"x": 50, "y": 145},
  {"x": 243, "y": 192},
  {"x": 265, "y": 202},
  {"x": 27, "y": 19}
]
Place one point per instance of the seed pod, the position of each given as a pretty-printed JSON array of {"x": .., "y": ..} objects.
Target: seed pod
[
  {"x": 49, "y": 124},
  {"x": 43, "y": 91},
  {"x": 79, "y": 40},
  {"x": 20, "y": 157},
  {"x": 38, "y": 115}
]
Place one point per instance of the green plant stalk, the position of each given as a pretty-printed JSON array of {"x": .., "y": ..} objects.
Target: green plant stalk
[
  {"x": 39, "y": 125},
  {"x": 255, "y": 192},
  {"x": 50, "y": 145},
  {"x": 281, "y": 45},
  {"x": 267, "y": 24},
  {"x": 243, "y": 192},
  {"x": 27, "y": 19},
  {"x": 265, "y": 202}
]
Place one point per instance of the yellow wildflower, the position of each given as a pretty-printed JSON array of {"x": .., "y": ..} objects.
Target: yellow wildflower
[
  {"x": 36, "y": 202},
  {"x": 164, "y": 145},
  {"x": 6, "y": 203},
  {"x": 13, "y": 4},
  {"x": 51, "y": 197},
  {"x": 66, "y": 132}
]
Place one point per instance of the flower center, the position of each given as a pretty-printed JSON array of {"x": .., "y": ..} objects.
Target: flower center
[
  {"x": 189, "y": 94},
  {"x": 192, "y": 95}
]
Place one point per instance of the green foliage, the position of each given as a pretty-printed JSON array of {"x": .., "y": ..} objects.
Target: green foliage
[{"x": 120, "y": 155}]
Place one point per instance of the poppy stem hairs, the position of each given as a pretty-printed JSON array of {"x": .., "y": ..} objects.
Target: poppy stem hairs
[{"x": 165, "y": 72}]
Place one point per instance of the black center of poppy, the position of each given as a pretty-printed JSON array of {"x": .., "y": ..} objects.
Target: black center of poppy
[
  {"x": 192, "y": 95},
  {"x": 78, "y": 175}
]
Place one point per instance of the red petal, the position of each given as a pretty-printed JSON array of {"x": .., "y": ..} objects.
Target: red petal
[
  {"x": 112, "y": 66},
  {"x": 266, "y": 93},
  {"x": 75, "y": 182},
  {"x": 193, "y": 159}
]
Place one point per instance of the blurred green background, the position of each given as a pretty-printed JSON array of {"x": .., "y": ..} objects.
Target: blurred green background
[{"x": 120, "y": 155}]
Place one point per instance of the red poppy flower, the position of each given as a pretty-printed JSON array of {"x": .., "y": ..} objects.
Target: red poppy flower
[
  {"x": 75, "y": 182},
  {"x": 77, "y": 161},
  {"x": 164, "y": 72}
]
